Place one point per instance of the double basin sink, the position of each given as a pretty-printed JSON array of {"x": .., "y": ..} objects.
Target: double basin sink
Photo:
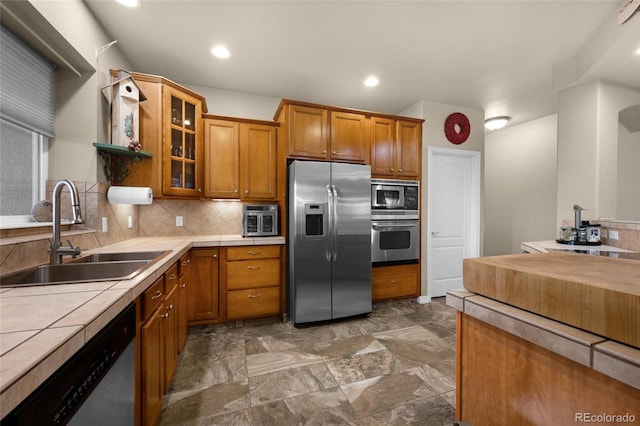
[{"x": 89, "y": 268}]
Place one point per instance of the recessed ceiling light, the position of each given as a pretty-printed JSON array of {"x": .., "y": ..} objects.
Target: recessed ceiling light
[
  {"x": 129, "y": 3},
  {"x": 495, "y": 123},
  {"x": 220, "y": 52},
  {"x": 371, "y": 81}
]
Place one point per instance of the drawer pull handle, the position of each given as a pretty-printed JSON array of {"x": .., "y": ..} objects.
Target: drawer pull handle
[
  {"x": 254, "y": 296},
  {"x": 172, "y": 277},
  {"x": 254, "y": 267},
  {"x": 394, "y": 281},
  {"x": 255, "y": 252},
  {"x": 156, "y": 296}
]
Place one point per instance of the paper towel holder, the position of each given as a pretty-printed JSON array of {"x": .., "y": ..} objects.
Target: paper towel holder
[{"x": 133, "y": 195}]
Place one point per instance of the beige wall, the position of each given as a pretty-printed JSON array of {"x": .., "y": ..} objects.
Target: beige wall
[
  {"x": 520, "y": 185},
  {"x": 435, "y": 114},
  {"x": 588, "y": 148}
]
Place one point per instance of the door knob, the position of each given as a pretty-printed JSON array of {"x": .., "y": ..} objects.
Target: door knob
[{"x": 434, "y": 233}]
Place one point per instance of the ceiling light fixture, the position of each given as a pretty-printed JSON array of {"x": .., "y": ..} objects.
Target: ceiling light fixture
[
  {"x": 221, "y": 52},
  {"x": 637, "y": 52},
  {"x": 495, "y": 123},
  {"x": 129, "y": 3},
  {"x": 371, "y": 81}
]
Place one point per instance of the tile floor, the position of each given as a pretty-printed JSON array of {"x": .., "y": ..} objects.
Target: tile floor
[{"x": 394, "y": 367}]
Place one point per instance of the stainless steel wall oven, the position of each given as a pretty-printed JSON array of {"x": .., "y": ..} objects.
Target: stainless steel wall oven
[{"x": 395, "y": 221}]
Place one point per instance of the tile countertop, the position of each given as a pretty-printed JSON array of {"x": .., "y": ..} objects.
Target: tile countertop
[
  {"x": 43, "y": 326},
  {"x": 545, "y": 246},
  {"x": 618, "y": 361}
]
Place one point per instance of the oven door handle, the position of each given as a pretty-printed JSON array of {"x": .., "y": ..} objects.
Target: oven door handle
[{"x": 392, "y": 225}]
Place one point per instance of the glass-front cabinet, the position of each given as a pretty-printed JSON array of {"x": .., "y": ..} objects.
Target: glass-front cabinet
[
  {"x": 171, "y": 131},
  {"x": 183, "y": 145}
]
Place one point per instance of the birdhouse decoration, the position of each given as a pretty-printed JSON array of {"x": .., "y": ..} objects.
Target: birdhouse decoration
[{"x": 125, "y": 97}]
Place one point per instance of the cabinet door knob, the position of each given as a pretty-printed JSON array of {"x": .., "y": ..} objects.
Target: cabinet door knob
[
  {"x": 391, "y": 169},
  {"x": 215, "y": 255},
  {"x": 324, "y": 151},
  {"x": 164, "y": 316},
  {"x": 334, "y": 152},
  {"x": 400, "y": 170},
  {"x": 246, "y": 191},
  {"x": 199, "y": 189},
  {"x": 183, "y": 286}
]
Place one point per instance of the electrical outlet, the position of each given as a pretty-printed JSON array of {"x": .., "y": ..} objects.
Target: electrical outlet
[
  {"x": 179, "y": 221},
  {"x": 613, "y": 235},
  {"x": 130, "y": 222},
  {"x": 105, "y": 228}
]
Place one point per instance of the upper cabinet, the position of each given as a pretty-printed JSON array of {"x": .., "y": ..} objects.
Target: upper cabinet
[
  {"x": 324, "y": 133},
  {"x": 395, "y": 147},
  {"x": 171, "y": 130},
  {"x": 241, "y": 158}
]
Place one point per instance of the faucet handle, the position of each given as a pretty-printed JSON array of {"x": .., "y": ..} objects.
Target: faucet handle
[{"x": 76, "y": 250}]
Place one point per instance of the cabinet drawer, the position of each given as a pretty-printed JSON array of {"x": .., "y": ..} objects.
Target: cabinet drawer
[
  {"x": 253, "y": 252},
  {"x": 256, "y": 302},
  {"x": 152, "y": 297},
  {"x": 171, "y": 278},
  {"x": 253, "y": 273},
  {"x": 183, "y": 264},
  {"x": 389, "y": 282}
]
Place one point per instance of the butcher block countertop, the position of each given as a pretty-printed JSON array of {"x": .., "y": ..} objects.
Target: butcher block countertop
[{"x": 600, "y": 295}]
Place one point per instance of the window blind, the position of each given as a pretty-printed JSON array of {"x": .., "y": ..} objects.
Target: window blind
[{"x": 26, "y": 85}]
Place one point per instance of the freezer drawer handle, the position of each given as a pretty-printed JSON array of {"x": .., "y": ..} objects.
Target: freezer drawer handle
[
  {"x": 254, "y": 267},
  {"x": 254, "y": 296}
]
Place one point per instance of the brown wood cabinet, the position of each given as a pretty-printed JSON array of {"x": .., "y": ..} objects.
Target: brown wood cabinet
[
  {"x": 324, "y": 133},
  {"x": 241, "y": 158},
  {"x": 204, "y": 297},
  {"x": 252, "y": 283},
  {"x": 395, "y": 148},
  {"x": 171, "y": 130},
  {"x": 396, "y": 281},
  {"x": 152, "y": 352},
  {"x": 182, "y": 311},
  {"x": 171, "y": 332}
]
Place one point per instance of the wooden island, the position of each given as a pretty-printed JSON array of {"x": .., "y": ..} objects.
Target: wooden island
[{"x": 548, "y": 339}]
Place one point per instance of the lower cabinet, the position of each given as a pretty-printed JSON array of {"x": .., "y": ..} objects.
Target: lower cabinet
[
  {"x": 182, "y": 311},
  {"x": 203, "y": 294},
  {"x": 395, "y": 282},
  {"x": 158, "y": 351},
  {"x": 251, "y": 279}
]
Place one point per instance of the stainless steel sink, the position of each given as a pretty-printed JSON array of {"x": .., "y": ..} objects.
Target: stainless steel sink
[
  {"x": 118, "y": 257},
  {"x": 90, "y": 268}
]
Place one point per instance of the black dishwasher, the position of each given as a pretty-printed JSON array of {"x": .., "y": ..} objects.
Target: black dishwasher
[{"x": 94, "y": 387}]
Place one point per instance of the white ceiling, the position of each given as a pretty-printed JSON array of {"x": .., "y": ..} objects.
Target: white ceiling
[{"x": 498, "y": 56}]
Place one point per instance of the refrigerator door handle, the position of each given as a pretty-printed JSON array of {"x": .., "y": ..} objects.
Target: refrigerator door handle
[
  {"x": 334, "y": 228},
  {"x": 330, "y": 201}
]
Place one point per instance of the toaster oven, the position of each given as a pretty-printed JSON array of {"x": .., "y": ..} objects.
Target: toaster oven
[{"x": 259, "y": 220}]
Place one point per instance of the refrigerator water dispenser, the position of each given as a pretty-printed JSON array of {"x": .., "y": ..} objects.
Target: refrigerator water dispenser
[{"x": 314, "y": 219}]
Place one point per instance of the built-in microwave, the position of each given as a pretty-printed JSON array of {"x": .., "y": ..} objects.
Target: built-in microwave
[
  {"x": 259, "y": 220},
  {"x": 395, "y": 198}
]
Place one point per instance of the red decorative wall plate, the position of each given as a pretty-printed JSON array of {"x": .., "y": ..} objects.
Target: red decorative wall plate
[{"x": 457, "y": 128}]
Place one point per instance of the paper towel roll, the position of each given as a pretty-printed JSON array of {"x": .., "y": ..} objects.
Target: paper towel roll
[{"x": 129, "y": 195}]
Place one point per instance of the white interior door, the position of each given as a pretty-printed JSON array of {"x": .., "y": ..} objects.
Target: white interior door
[{"x": 453, "y": 216}]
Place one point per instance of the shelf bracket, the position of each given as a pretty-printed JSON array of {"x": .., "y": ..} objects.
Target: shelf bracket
[{"x": 117, "y": 159}]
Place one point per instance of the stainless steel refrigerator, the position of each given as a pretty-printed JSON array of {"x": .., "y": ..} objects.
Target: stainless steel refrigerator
[{"x": 329, "y": 241}]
